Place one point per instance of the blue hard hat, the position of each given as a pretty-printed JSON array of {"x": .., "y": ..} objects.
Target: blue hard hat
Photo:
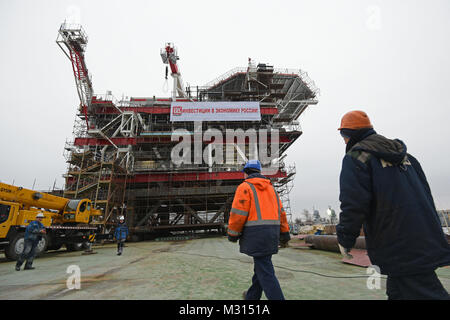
[{"x": 254, "y": 164}]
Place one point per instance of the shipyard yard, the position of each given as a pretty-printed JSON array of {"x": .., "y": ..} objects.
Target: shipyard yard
[
  {"x": 140, "y": 157},
  {"x": 197, "y": 269}
]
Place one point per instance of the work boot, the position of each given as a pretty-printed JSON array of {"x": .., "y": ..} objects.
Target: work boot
[
  {"x": 17, "y": 267},
  {"x": 28, "y": 267},
  {"x": 244, "y": 294}
]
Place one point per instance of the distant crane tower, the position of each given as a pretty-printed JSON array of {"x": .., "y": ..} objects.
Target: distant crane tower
[
  {"x": 73, "y": 40},
  {"x": 170, "y": 56}
]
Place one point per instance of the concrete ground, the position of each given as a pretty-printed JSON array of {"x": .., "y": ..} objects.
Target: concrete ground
[{"x": 200, "y": 269}]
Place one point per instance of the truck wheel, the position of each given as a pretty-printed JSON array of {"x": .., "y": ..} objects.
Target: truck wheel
[
  {"x": 42, "y": 245},
  {"x": 15, "y": 246}
]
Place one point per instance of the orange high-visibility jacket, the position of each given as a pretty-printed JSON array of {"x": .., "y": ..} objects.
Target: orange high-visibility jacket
[{"x": 257, "y": 216}]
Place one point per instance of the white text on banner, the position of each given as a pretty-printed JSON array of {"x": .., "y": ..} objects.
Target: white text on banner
[{"x": 215, "y": 111}]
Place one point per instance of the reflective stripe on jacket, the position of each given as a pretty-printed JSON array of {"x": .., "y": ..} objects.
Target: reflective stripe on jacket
[{"x": 257, "y": 216}]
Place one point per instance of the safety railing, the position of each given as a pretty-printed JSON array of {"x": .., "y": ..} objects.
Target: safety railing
[
  {"x": 225, "y": 76},
  {"x": 298, "y": 72}
]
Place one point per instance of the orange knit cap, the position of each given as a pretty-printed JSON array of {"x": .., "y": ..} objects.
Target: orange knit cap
[{"x": 355, "y": 120}]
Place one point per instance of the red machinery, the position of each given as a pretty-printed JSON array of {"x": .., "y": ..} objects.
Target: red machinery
[{"x": 169, "y": 56}]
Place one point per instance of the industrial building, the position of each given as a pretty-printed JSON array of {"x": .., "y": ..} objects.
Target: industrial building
[{"x": 121, "y": 154}]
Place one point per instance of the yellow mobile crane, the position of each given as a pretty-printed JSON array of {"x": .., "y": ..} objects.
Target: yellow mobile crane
[{"x": 69, "y": 222}]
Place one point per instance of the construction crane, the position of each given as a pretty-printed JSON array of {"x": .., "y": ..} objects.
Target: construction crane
[
  {"x": 69, "y": 222},
  {"x": 73, "y": 40},
  {"x": 170, "y": 56}
]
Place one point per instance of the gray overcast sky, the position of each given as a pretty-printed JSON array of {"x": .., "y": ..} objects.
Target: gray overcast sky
[{"x": 388, "y": 58}]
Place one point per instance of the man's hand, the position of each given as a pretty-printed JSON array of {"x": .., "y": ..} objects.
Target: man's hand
[
  {"x": 233, "y": 238},
  {"x": 284, "y": 244},
  {"x": 284, "y": 239},
  {"x": 345, "y": 252}
]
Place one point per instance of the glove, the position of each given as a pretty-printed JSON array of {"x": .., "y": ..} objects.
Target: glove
[
  {"x": 345, "y": 252},
  {"x": 233, "y": 238},
  {"x": 284, "y": 238}
]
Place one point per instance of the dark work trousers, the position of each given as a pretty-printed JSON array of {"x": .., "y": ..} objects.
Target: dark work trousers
[
  {"x": 120, "y": 245},
  {"x": 422, "y": 286},
  {"x": 264, "y": 279},
  {"x": 28, "y": 253}
]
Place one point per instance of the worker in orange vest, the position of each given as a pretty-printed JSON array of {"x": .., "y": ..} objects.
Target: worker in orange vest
[{"x": 258, "y": 221}]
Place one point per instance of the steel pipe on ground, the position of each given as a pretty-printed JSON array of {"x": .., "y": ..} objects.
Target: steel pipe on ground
[{"x": 330, "y": 243}]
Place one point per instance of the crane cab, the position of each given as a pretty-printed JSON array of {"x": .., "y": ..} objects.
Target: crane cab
[{"x": 77, "y": 211}]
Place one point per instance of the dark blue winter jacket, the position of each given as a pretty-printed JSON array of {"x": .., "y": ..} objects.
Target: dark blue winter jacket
[
  {"x": 121, "y": 232},
  {"x": 384, "y": 188},
  {"x": 33, "y": 231}
]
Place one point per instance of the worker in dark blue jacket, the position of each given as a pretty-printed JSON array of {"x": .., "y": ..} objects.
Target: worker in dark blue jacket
[
  {"x": 383, "y": 188},
  {"x": 121, "y": 234},
  {"x": 33, "y": 234}
]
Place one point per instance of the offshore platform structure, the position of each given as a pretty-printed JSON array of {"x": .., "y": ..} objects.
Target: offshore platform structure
[{"x": 122, "y": 154}]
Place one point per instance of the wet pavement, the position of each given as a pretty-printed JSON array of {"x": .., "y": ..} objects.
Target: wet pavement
[{"x": 200, "y": 269}]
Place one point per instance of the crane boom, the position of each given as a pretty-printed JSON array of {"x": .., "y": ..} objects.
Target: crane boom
[
  {"x": 31, "y": 198},
  {"x": 73, "y": 40}
]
